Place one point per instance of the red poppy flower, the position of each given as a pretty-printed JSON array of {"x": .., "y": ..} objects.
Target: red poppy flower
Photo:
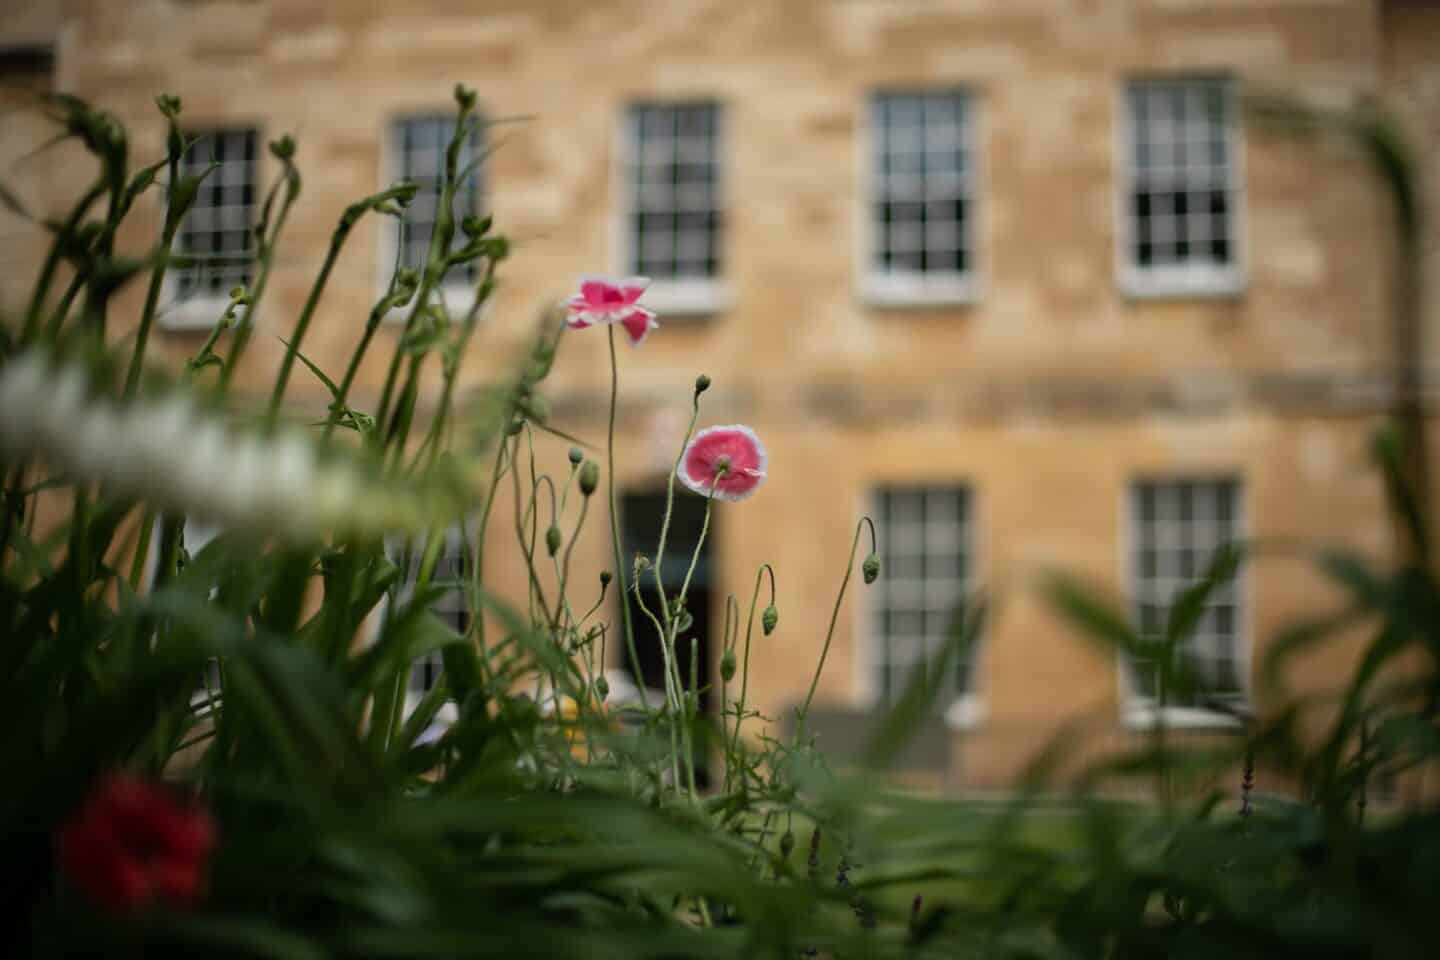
[
  {"x": 135, "y": 842},
  {"x": 606, "y": 300},
  {"x": 729, "y": 459}
]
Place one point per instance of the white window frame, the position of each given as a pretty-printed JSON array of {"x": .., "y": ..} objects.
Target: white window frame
[
  {"x": 672, "y": 297},
  {"x": 916, "y": 288},
  {"x": 967, "y": 708},
  {"x": 1139, "y": 712},
  {"x": 457, "y": 293},
  {"x": 202, "y": 312},
  {"x": 1185, "y": 280}
]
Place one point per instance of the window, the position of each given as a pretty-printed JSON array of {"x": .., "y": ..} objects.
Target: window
[
  {"x": 451, "y": 569},
  {"x": 1183, "y": 188},
  {"x": 922, "y": 197},
  {"x": 673, "y": 210},
  {"x": 924, "y": 574},
  {"x": 195, "y": 536},
  {"x": 1177, "y": 527},
  {"x": 417, "y": 148},
  {"x": 218, "y": 230}
]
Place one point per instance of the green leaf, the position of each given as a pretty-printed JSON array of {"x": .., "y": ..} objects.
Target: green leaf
[
  {"x": 1090, "y": 615},
  {"x": 319, "y": 374}
]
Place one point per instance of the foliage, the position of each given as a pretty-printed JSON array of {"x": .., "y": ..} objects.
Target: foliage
[{"x": 538, "y": 823}]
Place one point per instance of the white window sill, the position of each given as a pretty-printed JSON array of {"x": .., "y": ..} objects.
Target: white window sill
[
  {"x": 457, "y": 298},
  {"x": 1141, "y": 716},
  {"x": 196, "y": 315},
  {"x": 685, "y": 298},
  {"x": 1182, "y": 284},
  {"x": 919, "y": 290},
  {"x": 966, "y": 713}
]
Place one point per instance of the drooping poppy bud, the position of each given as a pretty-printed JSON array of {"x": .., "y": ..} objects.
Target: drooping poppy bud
[
  {"x": 769, "y": 618},
  {"x": 871, "y": 568},
  {"x": 589, "y": 477}
]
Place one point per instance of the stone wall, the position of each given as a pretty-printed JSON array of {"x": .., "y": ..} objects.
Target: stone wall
[{"x": 1047, "y": 395}]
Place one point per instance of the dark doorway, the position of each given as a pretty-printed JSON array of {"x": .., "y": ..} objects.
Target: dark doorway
[{"x": 641, "y": 516}]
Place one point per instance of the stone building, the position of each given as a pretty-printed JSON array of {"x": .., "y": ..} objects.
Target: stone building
[{"x": 1018, "y": 280}]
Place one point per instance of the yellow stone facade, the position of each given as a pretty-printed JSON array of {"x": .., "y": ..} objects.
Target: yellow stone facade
[{"x": 1046, "y": 396}]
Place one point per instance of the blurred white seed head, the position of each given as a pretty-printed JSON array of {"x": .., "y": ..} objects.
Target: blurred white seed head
[{"x": 168, "y": 452}]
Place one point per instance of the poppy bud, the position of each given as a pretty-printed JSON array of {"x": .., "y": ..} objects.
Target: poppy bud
[
  {"x": 284, "y": 148},
  {"x": 576, "y": 455},
  {"x": 589, "y": 477},
  {"x": 602, "y": 688},
  {"x": 497, "y": 248},
  {"x": 464, "y": 96},
  {"x": 769, "y": 618},
  {"x": 871, "y": 568},
  {"x": 169, "y": 105},
  {"x": 702, "y": 383},
  {"x": 605, "y": 579},
  {"x": 538, "y": 407},
  {"x": 727, "y": 666},
  {"x": 552, "y": 540}
]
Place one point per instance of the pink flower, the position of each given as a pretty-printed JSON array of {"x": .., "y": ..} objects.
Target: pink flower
[
  {"x": 606, "y": 300},
  {"x": 730, "y": 459}
]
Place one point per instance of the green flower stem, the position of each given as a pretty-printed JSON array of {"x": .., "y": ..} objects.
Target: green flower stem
[
  {"x": 670, "y": 507},
  {"x": 246, "y": 326},
  {"x": 745, "y": 666},
  {"x": 63, "y": 235},
  {"x": 672, "y": 696},
  {"x": 725, "y": 647},
  {"x": 834, "y": 616},
  {"x": 478, "y": 579},
  {"x": 537, "y": 591},
  {"x": 152, "y": 295},
  {"x": 615, "y": 531},
  {"x": 667, "y": 635},
  {"x": 352, "y": 215},
  {"x": 342, "y": 394},
  {"x": 62, "y": 309},
  {"x": 436, "y": 264},
  {"x": 564, "y": 572},
  {"x": 691, "y": 705},
  {"x": 392, "y": 710}
]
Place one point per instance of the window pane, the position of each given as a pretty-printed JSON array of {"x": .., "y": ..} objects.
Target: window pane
[
  {"x": 920, "y": 184},
  {"x": 674, "y": 161},
  {"x": 450, "y": 606},
  {"x": 419, "y": 144},
  {"x": 924, "y": 546},
  {"x": 1181, "y": 174},
  {"x": 217, "y": 229},
  {"x": 1178, "y": 526}
]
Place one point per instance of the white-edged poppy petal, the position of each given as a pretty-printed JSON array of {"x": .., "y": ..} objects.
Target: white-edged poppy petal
[{"x": 728, "y": 459}]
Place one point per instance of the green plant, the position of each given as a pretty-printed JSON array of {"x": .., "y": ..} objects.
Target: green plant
[{"x": 536, "y": 824}]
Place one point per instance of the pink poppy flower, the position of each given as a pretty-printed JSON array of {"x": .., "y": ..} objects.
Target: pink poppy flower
[
  {"x": 729, "y": 458},
  {"x": 606, "y": 300}
]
